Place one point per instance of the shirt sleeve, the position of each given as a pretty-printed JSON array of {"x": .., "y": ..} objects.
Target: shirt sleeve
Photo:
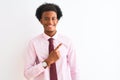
[
  {"x": 72, "y": 61},
  {"x": 32, "y": 69}
]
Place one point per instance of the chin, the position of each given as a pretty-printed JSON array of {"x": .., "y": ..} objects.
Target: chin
[{"x": 51, "y": 31}]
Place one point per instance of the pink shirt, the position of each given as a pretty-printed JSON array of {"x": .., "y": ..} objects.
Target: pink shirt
[{"x": 66, "y": 65}]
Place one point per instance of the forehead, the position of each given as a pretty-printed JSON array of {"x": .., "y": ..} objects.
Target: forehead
[{"x": 49, "y": 14}]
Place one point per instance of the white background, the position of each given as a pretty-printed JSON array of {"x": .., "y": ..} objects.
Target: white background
[{"x": 94, "y": 25}]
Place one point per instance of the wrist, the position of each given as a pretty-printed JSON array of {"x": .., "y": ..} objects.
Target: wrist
[
  {"x": 44, "y": 64},
  {"x": 48, "y": 61}
]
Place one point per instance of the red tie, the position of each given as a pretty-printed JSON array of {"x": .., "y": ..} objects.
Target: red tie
[{"x": 53, "y": 74}]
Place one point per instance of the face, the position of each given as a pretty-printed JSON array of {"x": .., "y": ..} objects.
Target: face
[{"x": 49, "y": 21}]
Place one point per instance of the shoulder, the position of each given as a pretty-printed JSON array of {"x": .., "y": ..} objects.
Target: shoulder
[
  {"x": 36, "y": 38},
  {"x": 64, "y": 38}
]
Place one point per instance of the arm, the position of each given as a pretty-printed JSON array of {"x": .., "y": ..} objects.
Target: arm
[
  {"x": 31, "y": 68},
  {"x": 72, "y": 61}
]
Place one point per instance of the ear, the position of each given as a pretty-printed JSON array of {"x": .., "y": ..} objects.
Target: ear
[
  {"x": 40, "y": 21},
  {"x": 57, "y": 20}
]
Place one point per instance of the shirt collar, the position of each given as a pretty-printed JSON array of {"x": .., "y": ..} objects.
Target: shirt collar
[{"x": 47, "y": 37}]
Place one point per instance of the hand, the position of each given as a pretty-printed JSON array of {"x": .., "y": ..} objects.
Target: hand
[{"x": 54, "y": 55}]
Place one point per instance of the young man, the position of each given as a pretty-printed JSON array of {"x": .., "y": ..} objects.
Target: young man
[{"x": 44, "y": 62}]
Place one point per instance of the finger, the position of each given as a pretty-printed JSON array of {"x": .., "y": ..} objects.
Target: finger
[{"x": 58, "y": 47}]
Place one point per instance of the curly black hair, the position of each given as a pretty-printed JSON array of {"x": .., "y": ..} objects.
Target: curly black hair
[{"x": 48, "y": 7}]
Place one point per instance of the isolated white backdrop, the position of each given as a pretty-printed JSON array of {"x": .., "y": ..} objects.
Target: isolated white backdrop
[{"x": 94, "y": 26}]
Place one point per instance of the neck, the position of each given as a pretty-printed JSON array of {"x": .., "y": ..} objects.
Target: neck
[{"x": 51, "y": 34}]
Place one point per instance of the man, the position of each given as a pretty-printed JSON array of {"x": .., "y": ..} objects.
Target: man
[{"x": 40, "y": 59}]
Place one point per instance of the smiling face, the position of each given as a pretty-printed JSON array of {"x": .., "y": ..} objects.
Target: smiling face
[{"x": 49, "y": 21}]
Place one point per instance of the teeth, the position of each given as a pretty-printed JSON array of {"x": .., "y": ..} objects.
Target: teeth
[{"x": 50, "y": 26}]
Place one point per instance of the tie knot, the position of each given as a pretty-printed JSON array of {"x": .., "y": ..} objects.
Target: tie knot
[{"x": 50, "y": 40}]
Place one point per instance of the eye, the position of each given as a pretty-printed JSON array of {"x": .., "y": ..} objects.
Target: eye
[
  {"x": 54, "y": 18},
  {"x": 46, "y": 19}
]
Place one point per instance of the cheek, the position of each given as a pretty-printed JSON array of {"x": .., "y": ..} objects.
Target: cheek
[
  {"x": 44, "y": 23},
  {"x": 56, "y": 22}
]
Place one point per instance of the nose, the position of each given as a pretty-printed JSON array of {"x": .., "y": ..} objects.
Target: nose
[{"x": 50, "y": 21}]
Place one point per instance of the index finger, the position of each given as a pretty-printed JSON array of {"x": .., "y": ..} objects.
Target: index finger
[{"x": 58, "y": 46}]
